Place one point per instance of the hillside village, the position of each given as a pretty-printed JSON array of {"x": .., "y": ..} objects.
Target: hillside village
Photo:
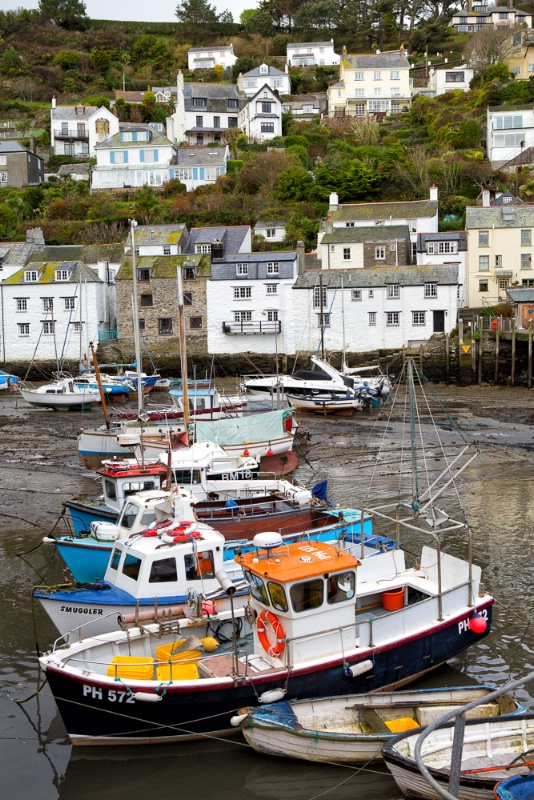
[{"x": 364, "y": 199}]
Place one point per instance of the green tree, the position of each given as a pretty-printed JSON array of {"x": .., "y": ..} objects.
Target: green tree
[
  {"x": 146, "y": 205},
  {"x": 67, "y": 59},
  {"x": 147, "y": 106},
  {"x": 11, "y": 62},
  {"x": 196, "y": 12},
  {"x": 258, "y": 22},
  {"x": 242, "y": 65},
  {"x": 498, "y": 71},
  {"x": 294, "y": 183},
  {"x": 69, "y": 14}
]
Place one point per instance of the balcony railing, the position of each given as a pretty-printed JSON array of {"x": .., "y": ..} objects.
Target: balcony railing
[
  {"x": 252, "y": 327},
  {"x": 108, "y": 336},
  {"x": 72, "y": 133}
]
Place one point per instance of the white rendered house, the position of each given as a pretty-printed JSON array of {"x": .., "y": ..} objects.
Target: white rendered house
[
  {"x": 250, "y": 303},
  {"x": 249, "y": 82},
  {"x": 76, "y": 130},
  {"x": 261, "y": 118},
  {"x": 449, "y": 80},
  {"x": 475, "y": 16},
  {"x": 380, "y": 308},
  {"x": 272, "y": 230},
  {"x": 508, "y": 133},
  {"x": 158, "y": 240},
  {"x": 204, "y": 112},
  {"x": 378, "y": 83},
  {"x": 210, "y": 57},
  {"x": 308, "y": 54},
  {"x": 198, "y": 166},
  {"x": 137, "y": 156}
]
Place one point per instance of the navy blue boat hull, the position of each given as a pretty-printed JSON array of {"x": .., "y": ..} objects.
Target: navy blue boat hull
[{"x": 92, "y": 711}]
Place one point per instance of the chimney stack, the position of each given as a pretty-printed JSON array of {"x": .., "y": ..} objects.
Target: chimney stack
[
  {"x": 510, "y": 5},
  {"x": 33, "y": 148},
  {"x": 485, "y": 198},
  {"x": 433, "y": 193},
  {"x": 53, "y": 101},
  {"x": 300, "y": 256},
  {"x": 329, "y": 224},
  {"x": 333, "y": 202}
]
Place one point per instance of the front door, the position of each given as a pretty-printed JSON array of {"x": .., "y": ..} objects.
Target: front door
[{"x": 439, "y": 321}]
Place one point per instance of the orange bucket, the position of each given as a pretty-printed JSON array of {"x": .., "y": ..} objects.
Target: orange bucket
[{"x": 393, "y": 599}]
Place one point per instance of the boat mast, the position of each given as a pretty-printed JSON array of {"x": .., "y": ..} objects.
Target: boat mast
[
  {"x": 133, "y": 225},
  {"x": 413, "y": 437},
  {"x": 183, "y": 353},
  {"x": 100, "y": 388},
  {"x": 343, "y": 359}
]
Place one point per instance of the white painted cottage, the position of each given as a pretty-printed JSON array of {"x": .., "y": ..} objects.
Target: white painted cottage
[
  {"x": 76, "y": 130},
  {"x": 139, "y": 155},
  {"x": 261, "y": 118},
  {"x": 312, "y": 54},
  {"x": 210, "y": 57}
]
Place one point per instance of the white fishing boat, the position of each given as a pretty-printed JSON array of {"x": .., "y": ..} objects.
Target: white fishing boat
[
  {"x": 312, "y": 635},
  {"x": 493, "y": 749},
  {"x": 353, "y": 728},
  {"x": 61, "y": 395}
]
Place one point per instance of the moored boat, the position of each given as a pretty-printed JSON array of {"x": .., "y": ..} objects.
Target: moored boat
[
  {"x": 61, "y": 395},
  {"x": 304, "y": 602},
  {"x": 517, "y": 787},
  {"x": 493, "y": 749},
  {"x": 353, "y": 728}
]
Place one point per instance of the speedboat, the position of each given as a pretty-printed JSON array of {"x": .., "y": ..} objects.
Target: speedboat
[{"x": 322, "y": 377}]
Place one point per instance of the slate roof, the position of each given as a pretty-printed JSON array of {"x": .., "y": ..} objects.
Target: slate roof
[
  {"x": 508, "y": 198},
  {"x": 129, "y": 96},
  {"x": 73, "y": 169},
  {"x": 69, "y": 112},
  {"x": 257, "y": 72},
  {"x": 88, "y": 254},
  {"x": 270, "y": 223},
  {"x": 381, "y": 276},
  {"x": 158, "y": 234},
  {"x": 205, "y": 156},
  {"x": 12, "y": 147},
  {"x": 295, "y": 45},
  {"x": 391, "y": 60},
  {"x": 232, "y": 237},
  {"x": 409, "y": 209},
  {"x": 165, "y": 266},
  {"x": 13, "y": 253},
  {"x": 47, "y": 272},
  {"x": 445, "y": 236},
  {"x": 374, "y": 233},
  {"x": 228, "y": 47},
  {"x": 507, "y": 216},
  {"x": 521, "y": 295},
  {"x": 224, "y": 269},
  {"x": 216, "y": 95},
  {"x": 114, "y": 141}
]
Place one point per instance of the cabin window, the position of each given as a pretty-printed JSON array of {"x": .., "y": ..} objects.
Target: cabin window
[
  {"x": 138, "y": 486},
  {"x": 110, "y": 490},
  {"x": 129, "y": 515},
  {"x": 163, "y": 571},
  {"x": 308, "y": 595},
  {"x": 257, "y": 588},
  {"x": 148, "y": 518},
  {"x": 340, "y": 587},
  {"x": 186, "y": 476},
  {"x": 131, "y": 567},
  {"x": 278, "y": 596},
  {"x": 199, "y": 565},
  {"x": 115, "y": 558}
]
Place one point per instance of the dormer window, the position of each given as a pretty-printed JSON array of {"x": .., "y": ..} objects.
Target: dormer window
[
  {"x": 62, "y": 274},
  {"x": 198, "y": 102},
  {"x": 264, "y": 69},
  {"x": 143, "y": 274},
  {"x": 31, "y": 276}
]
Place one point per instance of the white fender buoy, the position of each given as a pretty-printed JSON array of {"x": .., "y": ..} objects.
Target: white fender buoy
[
  {"x": 48, "y": 540},
  {"x": 359, "y": 669},
  {"x": 236, "y": 720},
  {"x": 272, "y": 696},
  {"x": 147, "y": 697}
]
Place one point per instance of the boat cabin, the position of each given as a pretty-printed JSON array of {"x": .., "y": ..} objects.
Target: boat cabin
[
  {"x": 143, "y": 509},
  {"x": 120, "y": 479},
  {"x": 308, "y": 591},
  {"x": 205, "y": 402},
  {"x": 148, "y": 567}
]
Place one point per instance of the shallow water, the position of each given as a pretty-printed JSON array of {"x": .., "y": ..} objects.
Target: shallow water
[{"x": 39, "y": 468}]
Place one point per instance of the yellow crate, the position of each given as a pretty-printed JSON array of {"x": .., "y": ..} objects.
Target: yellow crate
[
  {"x": 165, "y": 652},
  {"x": 133, "y": 667},
  {"x": 177, "y": 672},
  {"x": 402, "y": 724}
]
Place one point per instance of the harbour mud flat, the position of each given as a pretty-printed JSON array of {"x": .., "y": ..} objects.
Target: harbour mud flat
[{"x": 39, "y": 465}]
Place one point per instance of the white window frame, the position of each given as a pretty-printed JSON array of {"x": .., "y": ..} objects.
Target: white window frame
[
  {"x": 431, "y": 290},
  {"x": 202, "y": 249},
  {"x": 380, "y": 252},
  {"x": 241, "y": 270},
  {"x": 356, "y": 294},
  {"x": 21, "y": 303},
  {"x": 272, "y": 315},
  {"x": 377, "y": 76},
  {"x": 317, "y": 297},
  {"x": 272, "y": 288},
  {"x": 48, "y": 303},
  {"x": 31, "y": 276},
  {"x": 242, "y": 316},
  {"x": 418, "y": 317},
  {"x": 372, "y": 317},
  {"x": 49, "y": 327},
  {"x": 24, "y": 328},
  {"x": 242, "y": 292},
  {"x": 273, "y": 267},
  {"x": 70, "y": 303}
]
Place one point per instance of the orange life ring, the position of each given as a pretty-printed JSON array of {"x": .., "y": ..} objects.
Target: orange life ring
[
  {"x": 494, "y": 324},
  {"x": 181, "y": 536},
  {"x": 274, "y": 650}
]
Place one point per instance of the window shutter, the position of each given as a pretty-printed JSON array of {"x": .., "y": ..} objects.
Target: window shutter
[
  {"x": 134, "y": 136},
  {"x": 171, "y": 174},
  {"x": 141, "y": 156},
  {"x": 125, "y": 157},
  {"x": 195, "y": 173},
  {"x": 201, "y": 173},
  {"x": 156, "y": 155},
  {"x": 111, "y": 157}
]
